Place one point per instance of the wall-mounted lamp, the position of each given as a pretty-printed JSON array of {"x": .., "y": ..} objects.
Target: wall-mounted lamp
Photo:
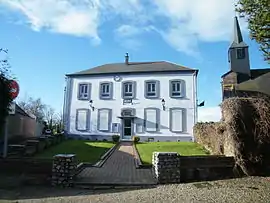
[
  {"x": 91, "y": 105},
  {"x": 163, "y": 104}
]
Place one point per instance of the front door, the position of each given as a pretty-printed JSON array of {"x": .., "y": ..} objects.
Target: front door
[{"x": 127, "y": 128}]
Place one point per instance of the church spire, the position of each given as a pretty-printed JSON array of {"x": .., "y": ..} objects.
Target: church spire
[
  {"x": 237, "y": 32},
  {"x": 237, "y": 35},
  {"x": 238, "y": 52}
]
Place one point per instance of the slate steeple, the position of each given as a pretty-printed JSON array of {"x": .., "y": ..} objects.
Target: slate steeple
[
  {"x": 238, "y": 52},
  {"x": 237, "y": 35}
]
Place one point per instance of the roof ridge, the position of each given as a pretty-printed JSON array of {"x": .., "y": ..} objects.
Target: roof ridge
[{"x": 156, "y": 66}]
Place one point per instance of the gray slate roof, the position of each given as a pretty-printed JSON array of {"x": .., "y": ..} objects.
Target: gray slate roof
[{"x": 134, "y": 67}]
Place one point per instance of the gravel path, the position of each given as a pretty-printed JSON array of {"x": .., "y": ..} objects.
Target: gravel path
[{"x": 255, "y": 189}]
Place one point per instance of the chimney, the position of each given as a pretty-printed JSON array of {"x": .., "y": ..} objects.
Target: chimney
[{"x": 127, "y": 58}]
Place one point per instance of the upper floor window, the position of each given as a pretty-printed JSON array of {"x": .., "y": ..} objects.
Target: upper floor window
[
  {"x": 152, "y": 89},
  {"x": 240, "y": 53},
  {"x": 128, "y": 90},
  {"x": 176, "y": 88},
  {"x": 106, "y": 90},
  {"x": 84, "y": 91}
]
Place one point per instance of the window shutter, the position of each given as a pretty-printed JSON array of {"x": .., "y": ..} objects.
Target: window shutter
[
  {"x": 82, "y": 120},
  {"x": 176, "y": 120},
  {"x": 151, "y": 120},
  {"x": 104, "y": 119}
]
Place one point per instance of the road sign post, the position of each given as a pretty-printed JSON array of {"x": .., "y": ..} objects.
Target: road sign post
[{"x": 14, "y": 92}]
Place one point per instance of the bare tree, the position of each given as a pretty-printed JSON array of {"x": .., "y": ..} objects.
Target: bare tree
[
  {"x": 59, "y": 118},
  {"x": 59, "y": 122},
  {"x": 49, "y": 113},
  {"x": 33, "y": 106}
]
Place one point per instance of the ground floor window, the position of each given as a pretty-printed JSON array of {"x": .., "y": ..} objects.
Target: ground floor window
[
  {"x": 177, "y": 120},
  {"x": 104, "y": 120},
  {"x": 82, "y": 119},
  {"x": 151, "y": 119}
]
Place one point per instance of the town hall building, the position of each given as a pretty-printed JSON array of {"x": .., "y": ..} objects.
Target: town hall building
[{"x": 156, "y": 101}]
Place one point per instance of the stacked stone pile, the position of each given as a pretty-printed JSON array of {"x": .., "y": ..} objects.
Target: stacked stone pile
[
  {"x": 166, "y": 167},
  {"x": 63, "y": 170}
]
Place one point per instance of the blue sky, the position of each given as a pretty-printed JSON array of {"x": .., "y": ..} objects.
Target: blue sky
[{"x": 49, "y": 38}]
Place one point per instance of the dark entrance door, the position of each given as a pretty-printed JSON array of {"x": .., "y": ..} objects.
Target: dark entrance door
[{"x": 127, "y": 128}]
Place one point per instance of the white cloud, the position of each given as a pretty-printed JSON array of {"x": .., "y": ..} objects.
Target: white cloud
[
  {"x": 207, "y": 114},
  {"x": 193, "y": 21},
  {"x": 61, "y": 16},
  {"x": 128, "y": 31},
  {"x": 181, "y": 23},
  {"x": 129, "y": 36}
]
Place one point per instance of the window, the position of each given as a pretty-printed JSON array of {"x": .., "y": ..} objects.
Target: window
[
  {"x": 176, "y": 88},
  {"x": 84, "y": 91},
  {"x": 82, "y": 119},
  {"x": 240, "y": 53},
  {"x": 151, "y": 89},
  {"x": 129, "y": 90},
  {"x": 106, "y": 90},
  {"x": 177, "y": 120},
  {"x": 151, "y": 119},
  {"x": 104, "y": 120}
]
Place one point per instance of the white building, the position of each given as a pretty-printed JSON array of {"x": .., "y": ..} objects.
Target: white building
[{"x": 152, "y": 100}]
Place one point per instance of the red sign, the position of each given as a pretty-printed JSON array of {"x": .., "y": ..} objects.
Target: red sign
[{"x": 14, "y": 89}]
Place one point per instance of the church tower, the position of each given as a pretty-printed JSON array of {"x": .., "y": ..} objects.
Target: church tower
[{"x": 238, "y": 55}]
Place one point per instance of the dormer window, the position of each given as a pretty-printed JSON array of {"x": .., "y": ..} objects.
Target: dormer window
[{"x": 240, "y": 53}]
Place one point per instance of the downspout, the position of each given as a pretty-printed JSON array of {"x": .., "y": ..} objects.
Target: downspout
[
  {"x": 64, "y": 105},
  {"x": 195, "y": 99}
]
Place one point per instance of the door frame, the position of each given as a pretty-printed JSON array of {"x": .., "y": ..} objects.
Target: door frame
[{"x": 131, "y": 130}]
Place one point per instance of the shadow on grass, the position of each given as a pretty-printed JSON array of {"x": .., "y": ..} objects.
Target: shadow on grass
[{"x": 86, "y": 151}]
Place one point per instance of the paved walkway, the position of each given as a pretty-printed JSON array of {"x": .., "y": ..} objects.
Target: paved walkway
[{"x": 118, "y": 169}]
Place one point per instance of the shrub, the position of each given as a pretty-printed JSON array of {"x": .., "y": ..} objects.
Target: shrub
[
  {"x": 116, "y": 138},
  {"x": 104, "y": 140},
  {"x": 136, "y": 139}
]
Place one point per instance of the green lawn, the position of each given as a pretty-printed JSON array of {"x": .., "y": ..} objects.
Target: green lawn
[
  {"x": 86, "y": 151},
  {"x": 146, "y": 150}
]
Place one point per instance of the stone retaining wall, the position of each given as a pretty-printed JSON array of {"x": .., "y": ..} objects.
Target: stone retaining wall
[
  {"x": 170, "y": 167},
  {"x": 28, "y": 166}
]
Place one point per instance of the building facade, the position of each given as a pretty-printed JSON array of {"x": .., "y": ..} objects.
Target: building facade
[{"x": 156, "y": 101}]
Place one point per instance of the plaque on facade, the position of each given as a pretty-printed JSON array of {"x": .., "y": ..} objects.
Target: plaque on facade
[
  {"x": 115, "y": 127},
  {"x": 127, "y": 101}
]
